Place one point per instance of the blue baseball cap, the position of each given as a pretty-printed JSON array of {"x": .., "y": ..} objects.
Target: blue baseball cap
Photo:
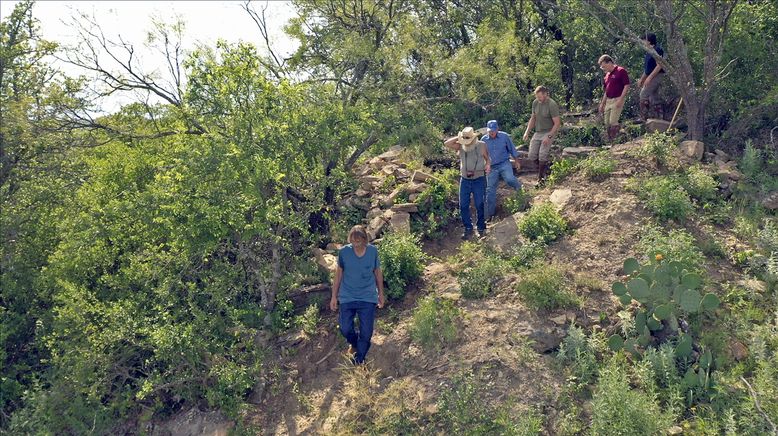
[{"x": 492, "y": 126}]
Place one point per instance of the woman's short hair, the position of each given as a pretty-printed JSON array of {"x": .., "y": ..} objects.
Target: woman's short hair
[{"x": 357, "y": 231}]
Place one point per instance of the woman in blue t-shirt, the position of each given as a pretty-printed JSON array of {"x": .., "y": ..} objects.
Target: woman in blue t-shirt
[{"x": 358, "y": 288}]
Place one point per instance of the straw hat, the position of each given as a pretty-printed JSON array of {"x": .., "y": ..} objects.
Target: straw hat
[{"x": 467, "y": 136}]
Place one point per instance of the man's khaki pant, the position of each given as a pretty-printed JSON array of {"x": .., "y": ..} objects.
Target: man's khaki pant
[
  {"x": 612, "y": 112},
  {"x": 538, "y": 151}
]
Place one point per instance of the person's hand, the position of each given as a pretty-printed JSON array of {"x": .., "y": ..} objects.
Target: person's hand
[
  {"x": 642, "y": 82},
  {"x": 516, "y": 164},
  {"x": 547, "y": 140},
  {"x": 381, "y": 300},
  {"x": 333, "y": 304},
  {"x": 646, "y": 82},
  {"x": 488, "y": 168},
  {"x": 601, "y": 109},
  {"x": 620, "y": 103},
  {"x": 526, "y": 136}
]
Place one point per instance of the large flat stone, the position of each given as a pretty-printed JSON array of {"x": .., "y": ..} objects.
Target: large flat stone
[
  {"x": 578, "y": 151},
  {"x": 656, "y": 125},
  {"x": 560, "y": 198}
]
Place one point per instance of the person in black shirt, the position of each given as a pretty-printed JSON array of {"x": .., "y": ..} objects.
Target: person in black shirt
[{"x": 650, "y": 80}]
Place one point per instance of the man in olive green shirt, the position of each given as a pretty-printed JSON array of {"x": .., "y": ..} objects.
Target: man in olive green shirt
[{"x": 546, "y": 122}]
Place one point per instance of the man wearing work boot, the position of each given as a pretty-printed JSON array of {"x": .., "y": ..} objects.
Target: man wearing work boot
[
  {"x": 501, "y": 148},
  {"x": 650, "y": 80},
  {"x": 546, "y": 122},
  {"x": 616, "y": 85},
  {"x": 473, "y": 166}
]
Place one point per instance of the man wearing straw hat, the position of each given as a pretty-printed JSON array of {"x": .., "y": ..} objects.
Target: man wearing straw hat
[{"x": 474, "y": 165}]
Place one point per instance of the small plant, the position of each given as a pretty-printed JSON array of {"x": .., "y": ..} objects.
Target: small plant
[
  {"x": 663, "y": 196},
  {"x": 617, "y": 409},
  {"x": 677, "y": 244},
  {"x": 699, "y": 184},
  {"x": 661, "y": 147},
  {"x": 402, "y": 261},
  {"x": 560, "y": 170},
  {"x": 309, "y": 320},
  {"x": 543, "y": 287},
  {"x": 597, "y": 166},
  {"x": 588, "y": 135},
  {"x": 436, "y": 204},
  {"x": 519, "y": 201},
  {"x": 525, "y": 255},
  {"x": 576, "y": 351},
  {"x": 435, "y": 322},
  {"x": 479, "y": 280},
  {"x": 588, "y": 281},
  {"x": 543, "y": 222}
]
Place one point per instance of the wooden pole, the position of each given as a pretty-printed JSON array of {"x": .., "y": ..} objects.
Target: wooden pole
[{"x": 680, "y": 102}]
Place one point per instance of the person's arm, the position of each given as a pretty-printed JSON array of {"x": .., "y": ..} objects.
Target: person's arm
[
  {"x": 336, "y": 288},
  {"x": 485, "y": 154},
  {"x": 550, "y": 137},
  {"x": 452, "y": 143},
  {"x": 602, "y": 102},
  {"x": 642, "y": 80},
  {"x": 379, "y": 281},
  {"x": 530, "y": 126},
  {"x": 657, "y": 70},
  {"x": 623, "y": 96}
]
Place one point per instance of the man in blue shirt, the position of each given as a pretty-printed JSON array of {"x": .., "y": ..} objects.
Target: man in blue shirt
[
  {"x": 650, "y": 80},
  {"x": 500, "y": 148},
  {"x": 358, "y": 290}
]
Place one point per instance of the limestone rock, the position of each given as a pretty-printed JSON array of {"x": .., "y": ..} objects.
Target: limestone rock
[
  {"x": 674, "y": 430},
  {"x": 577, "y": 151},
  {"x": 360, "y": 203},
  {"x": 362, "y": 192},
  {"x": 543, "y": 339},
  {"x": 400, "y": 222},
  {"x": 420, "y": 176},
  {"x": 389, "y": 169},
  {"x": 559, "y": 320},
  {"x": 560, "y": 198},
  {"x": 771, "y": 201},
  {"x": 368, "y": 182},
  {"x": 325, "y": 260},
  {"x": 413, "y": 197},
  {"x": 505, "y": 234},
  {"x": 722, "y": 155},
  {"x": 656, "y": 125},
  {"x": 692, "y": 149},
  {"x": 401, "y": 173},
  {"x": 375, "y": 227},
  {"x": 416, "y": 188},
  {"x": 729, "y": 170},
  {"x": 374, "y": 212},
  {"x": 406, "y": 207}
]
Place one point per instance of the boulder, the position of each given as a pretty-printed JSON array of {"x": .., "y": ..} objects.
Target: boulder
[
  {"x": 692, "y": 149},
  {"x": 771, "y": 201},
  {"x": 325, "y": 260},
  {"x": 389, "y": 169},
  {"x": 577, "y": 151},
  {"x": 722, "y": 155},
  {"x": 420, "y": 176},
  {"x": 415, "y": 188},
  {"x": 401, "y": 173},
  {"x": 544, "y": 339},
  {"x": 376, "y": 226},
  {"x": 360, "y": 203},
  {"x": 400, "y": 221},
  {"x": 374, "y": 212},
  {"x": 406, "y": 207},
  {"x": 738, "y": 351},
  {"x": 560, "y": 198},
  {"x": 505, "y": 234},
  {"x": 362, "y": 192},
  {"x": 369, "y": 182},
  {"x": 729, "y": 170},
  {"x": 656, "y": 125},
  {"x": 413, "y": 197}
]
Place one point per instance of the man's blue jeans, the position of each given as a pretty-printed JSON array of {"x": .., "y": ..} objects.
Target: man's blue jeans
[
  {"x": 476, "y": 187},
  {"x": 502, "y": 171},
  {"x": 360, "y": 341}
]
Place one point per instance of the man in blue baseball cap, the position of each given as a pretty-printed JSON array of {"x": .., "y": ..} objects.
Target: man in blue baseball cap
[{"x": 501, "y": 148}]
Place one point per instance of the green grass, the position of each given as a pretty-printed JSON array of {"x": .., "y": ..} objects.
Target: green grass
[{"x": 543, "y": 287}]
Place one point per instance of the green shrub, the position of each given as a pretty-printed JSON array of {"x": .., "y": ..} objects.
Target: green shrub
[
  {"x": 677, "y": 245},
  {"x": 543, "y": 222},
  {"x": 479, "y": 280},
  {"x": 519, "y": 201},
  {"x": 664, "y": 197},
  {"x": 435, "y": 322},
  {"x": 586, "y": 135},
  {"x": 560, "y": 170},
  {"x": 699, "y": 184},
  {"x": 462, "y": 408},
  {"x": 661, "y": 147},
  {"x": 402, "y": 261},
  {"x": 437, "y": 204},
  {"x": 525, "y": 255},
  {"x": 543, "y": 287},
  {"x": 576, "y": 351},
  {"x": 309, "y": 320},
  {"x": 598, "y": 165},
  {"x": 617, "y": 409}
]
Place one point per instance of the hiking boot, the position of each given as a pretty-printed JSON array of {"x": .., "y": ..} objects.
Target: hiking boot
[
  {"x": 467, "y": 235},
  {"x": 543, "y": 167},
  {"x": 481, "y": 233},
  {"x": 644, "y": 109}
]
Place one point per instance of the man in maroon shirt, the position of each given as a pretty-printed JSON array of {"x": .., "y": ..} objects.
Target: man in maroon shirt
[{"x": 616, "y": 87}]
